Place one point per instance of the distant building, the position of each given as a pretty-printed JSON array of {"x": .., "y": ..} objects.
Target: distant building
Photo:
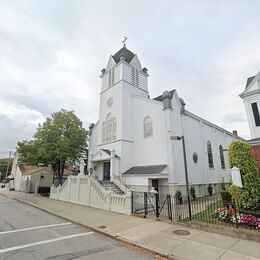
[
  {"x": 27, "y": 177},
  {"x": 131, "y": 139}
]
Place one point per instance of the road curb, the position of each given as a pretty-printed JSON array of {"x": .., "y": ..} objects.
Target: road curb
[{"x": 135, "y": 246}]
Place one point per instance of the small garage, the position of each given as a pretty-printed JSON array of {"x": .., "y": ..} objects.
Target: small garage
[{"x": 38, "y": 177}]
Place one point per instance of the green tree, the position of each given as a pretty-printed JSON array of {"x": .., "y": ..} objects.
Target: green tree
[
  {"x": 240, "y": 155},
  {"x": 3, "y": 167},
  {"x": 61, "y": 138}
]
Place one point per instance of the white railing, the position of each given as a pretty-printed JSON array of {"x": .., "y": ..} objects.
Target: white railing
[
  {"x": 118, "y": 181},
  {"x": 86, "y": 190}
]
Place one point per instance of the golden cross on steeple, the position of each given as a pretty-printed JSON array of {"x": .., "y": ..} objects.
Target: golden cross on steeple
[{"x": 124, "y": 40}]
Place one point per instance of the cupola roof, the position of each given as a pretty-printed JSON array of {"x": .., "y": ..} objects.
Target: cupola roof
[{"x": 128, "y": 55}]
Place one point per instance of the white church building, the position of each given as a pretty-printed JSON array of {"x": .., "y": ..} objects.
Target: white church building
[{"x": 131, "y": 140}]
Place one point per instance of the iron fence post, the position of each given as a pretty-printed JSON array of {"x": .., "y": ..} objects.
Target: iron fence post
[
  {"x": 235, "y": 210},
  {"x": 145, "y": 204},
  {"x": 157, "y": 205},
  {"x": 132, "y": 202},
  {"x": 169, "y": 207}
]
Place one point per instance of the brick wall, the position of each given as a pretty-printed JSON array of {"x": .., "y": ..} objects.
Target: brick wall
[{"x": 256, "y": 154}]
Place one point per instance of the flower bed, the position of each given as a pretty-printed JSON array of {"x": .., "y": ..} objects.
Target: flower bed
[{"x": 229, "y": 215}]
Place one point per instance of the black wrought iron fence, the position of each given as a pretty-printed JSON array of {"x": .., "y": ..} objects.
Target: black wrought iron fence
[
  {"x": 213, "y": 210},
  {"x": 44, "y": 191},
  {"x": 209, "y": 209},
  {"x": 150, "y": 204}
]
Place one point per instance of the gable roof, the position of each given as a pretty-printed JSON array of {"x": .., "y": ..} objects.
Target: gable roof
[
  {"x": 150, "y": 169},
  {"x": 31, "y": 169},
  {"x": 128, "y": 55},
  {"x": 109, "y": 153},
  {"x": 249, "y": 80},
  {"x": 159, "y": 98}
]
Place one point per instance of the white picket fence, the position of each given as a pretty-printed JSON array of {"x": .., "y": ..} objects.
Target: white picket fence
[{"x": 86, "y": 190}]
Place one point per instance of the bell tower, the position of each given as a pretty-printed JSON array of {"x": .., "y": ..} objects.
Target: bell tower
[
  {"x": 122, "y": 80},
  {"x": 124, "y": 66}
]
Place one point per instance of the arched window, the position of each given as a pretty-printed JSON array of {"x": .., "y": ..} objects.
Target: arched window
[
  {"x": 109, "y": 129},
  {"x": 114, "y": 129},
  {"x": 210, "y": 155},
  {"x": 222, "y": 158},
  {"x": 148, "y": 126},
  {"x": 104, "y": 132}
]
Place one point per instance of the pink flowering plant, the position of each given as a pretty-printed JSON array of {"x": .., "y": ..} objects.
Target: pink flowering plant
[
  {"x": 250, "y": 220},
  {"x": 230, "y": 215}
]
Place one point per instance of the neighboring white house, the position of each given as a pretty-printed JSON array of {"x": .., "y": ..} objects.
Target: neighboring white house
[
  {"x": 16, "y": 174},
  {"x": 27, "y": 177},
  {"x": 251, "y": 98},
  {"x": 131, "y": 139}
]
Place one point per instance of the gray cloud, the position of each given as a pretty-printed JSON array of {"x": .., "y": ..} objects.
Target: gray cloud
[{"x": 52, "y": 52}]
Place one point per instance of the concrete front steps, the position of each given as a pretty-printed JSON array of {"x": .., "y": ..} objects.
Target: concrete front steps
[{"x": 109, "y": 185}]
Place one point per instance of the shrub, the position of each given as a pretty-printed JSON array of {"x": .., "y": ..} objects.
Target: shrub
[
  {"x": 236, "y": 194},
  {"x": 210, "y": 189},
  {"x": 240, "y": 155},
  {"x": 226, "y": 197},
  {"x": 178, "y": 196},
  {"x": 223, "y": 184},
  {"x": 193, "y": 192}
]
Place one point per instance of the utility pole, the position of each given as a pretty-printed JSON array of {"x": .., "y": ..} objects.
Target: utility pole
[
  {"x": 186, "y": 171},
  {"x": 8, "y": 165},
  {"x": 186, "y": 177}
]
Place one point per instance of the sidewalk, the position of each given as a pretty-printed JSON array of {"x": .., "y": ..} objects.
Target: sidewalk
[{"x": 150, "y": 234}]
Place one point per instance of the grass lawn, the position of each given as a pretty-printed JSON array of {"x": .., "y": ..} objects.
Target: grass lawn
[{"x": 207, "y": 215}]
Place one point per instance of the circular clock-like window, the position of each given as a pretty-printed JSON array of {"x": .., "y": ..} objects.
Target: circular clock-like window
[
  {"x": 110, "y": 102},
  {"x": 195, "y": 157}
]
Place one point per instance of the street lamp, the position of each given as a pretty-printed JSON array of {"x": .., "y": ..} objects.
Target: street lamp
[{"x": 178, "y": 138}]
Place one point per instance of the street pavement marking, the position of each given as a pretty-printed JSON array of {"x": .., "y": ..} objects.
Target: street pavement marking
[
  {"x": 32, "y": 228},
  {"x": 43, "y": 242}
]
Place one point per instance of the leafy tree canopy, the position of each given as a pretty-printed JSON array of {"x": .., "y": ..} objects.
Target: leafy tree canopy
[{"x": 59, "y": 139}]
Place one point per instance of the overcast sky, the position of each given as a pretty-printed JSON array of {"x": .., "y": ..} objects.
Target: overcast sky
[{"x": 51, "y": 54}]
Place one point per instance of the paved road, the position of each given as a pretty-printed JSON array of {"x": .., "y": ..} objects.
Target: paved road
[{"x": 28, "y": 233}]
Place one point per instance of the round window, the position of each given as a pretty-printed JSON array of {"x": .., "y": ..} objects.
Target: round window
[{"x": 195, "y": 157}]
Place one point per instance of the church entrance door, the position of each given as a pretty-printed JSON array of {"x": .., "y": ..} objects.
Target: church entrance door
[
  {"x": 155, "y": 184},
  {"x": 106, "y": 175}
]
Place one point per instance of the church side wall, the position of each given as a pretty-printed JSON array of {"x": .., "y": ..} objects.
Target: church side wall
[
  {"x": 175, "y": 153},
  {"x": 196, "y": 135},
  {"x": 148, "y": 150}
]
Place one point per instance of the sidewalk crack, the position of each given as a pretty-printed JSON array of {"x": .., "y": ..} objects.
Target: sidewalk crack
[{"x": 227, "y": 249}]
